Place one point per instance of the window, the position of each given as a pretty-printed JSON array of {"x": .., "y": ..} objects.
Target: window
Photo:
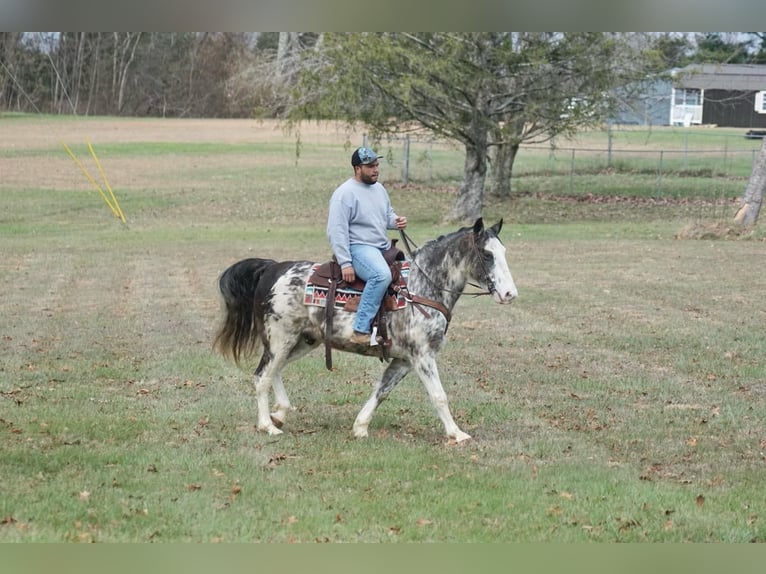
[
  {"x": 760, "y": 102},
  {"x": 688, "y": 97}
]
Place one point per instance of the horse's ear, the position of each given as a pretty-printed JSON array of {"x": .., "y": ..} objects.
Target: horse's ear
[
  {"x": 478, "y": 227},
  {"x": 497, "y": 227}
]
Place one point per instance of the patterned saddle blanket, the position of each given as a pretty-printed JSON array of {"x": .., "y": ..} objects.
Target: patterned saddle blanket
[{"x": 347, "y": 296}]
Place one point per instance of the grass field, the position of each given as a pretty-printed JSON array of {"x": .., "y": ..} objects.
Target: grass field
[{"x": 620, "y": 398}]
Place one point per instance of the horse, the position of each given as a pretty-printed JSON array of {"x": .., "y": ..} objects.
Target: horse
[{"x": 264, "y": 310}]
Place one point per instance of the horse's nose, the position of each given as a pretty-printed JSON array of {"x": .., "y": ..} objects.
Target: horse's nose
[{"x": 508, "y": 297}]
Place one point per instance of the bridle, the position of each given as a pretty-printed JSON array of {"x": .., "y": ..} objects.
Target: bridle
[{"x": 406, "y": 239}]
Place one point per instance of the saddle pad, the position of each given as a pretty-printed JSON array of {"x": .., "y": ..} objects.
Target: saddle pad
[{"x": 316, "y": 295}]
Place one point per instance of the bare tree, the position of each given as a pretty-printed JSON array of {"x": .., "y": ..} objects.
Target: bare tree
[
  {"x": 94, "y": 72},
  {"x": 287, "y": 47},
  {"x": 125, "y": 45},
  {"x": 10, "y": 54}
]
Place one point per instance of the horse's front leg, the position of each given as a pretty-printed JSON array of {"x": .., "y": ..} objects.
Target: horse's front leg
[
  {"x": 426, "y": 369},
  {"x": 394, "y": 373}
]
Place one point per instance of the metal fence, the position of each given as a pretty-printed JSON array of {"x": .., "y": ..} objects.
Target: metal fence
[{"x": 659, "y": 161}]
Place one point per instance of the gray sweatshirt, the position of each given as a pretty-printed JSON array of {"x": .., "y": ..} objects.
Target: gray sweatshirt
[{"x": 359, "y": 213}]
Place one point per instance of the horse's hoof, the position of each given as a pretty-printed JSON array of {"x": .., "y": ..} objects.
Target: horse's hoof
[
  {"x": 459, "y": 438},
  {"x": 360, "y": 432},
  {"x": 271, "y": 429},
  {"x": 277, "y": 423}
]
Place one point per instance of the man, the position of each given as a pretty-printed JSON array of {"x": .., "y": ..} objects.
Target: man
[{"x": 359, "y": 217}]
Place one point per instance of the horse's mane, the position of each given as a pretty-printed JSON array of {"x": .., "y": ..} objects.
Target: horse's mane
[{"x": 441, "y": 243}]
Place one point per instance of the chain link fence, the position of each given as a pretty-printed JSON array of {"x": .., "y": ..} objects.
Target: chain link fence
[{"x": 661, "y": 162}]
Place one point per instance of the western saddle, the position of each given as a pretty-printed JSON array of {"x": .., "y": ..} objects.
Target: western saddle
[{"x": 329, "y": 275}]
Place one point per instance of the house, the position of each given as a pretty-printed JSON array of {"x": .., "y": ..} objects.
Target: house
[
  {"x": 727, "y": 95},
  {"x": 645, "y": 103}
]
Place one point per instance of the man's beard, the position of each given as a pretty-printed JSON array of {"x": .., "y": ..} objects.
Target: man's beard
[{"x": 366, "y": 179}]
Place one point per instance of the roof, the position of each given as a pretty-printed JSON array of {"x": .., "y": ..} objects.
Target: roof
[{"x": 739, "y": 77}]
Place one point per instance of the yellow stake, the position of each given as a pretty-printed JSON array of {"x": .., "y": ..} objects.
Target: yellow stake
[
  {"x": 114, "y": 210},
  {"x": 106, "y": 182}
]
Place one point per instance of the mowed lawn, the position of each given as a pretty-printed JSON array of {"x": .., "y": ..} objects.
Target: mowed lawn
[{"x": 622, "y": 397}]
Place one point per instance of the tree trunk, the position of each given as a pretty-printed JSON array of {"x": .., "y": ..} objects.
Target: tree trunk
[
  {"x": 126, "y": 60},
  {"x": 77, "y": 72},
  {"x": 9, "y": 60},
  {"x": 502, "y": 168},
  {"x": 750, "y": 206},
  {"x": 94, "y": 68},
  {"x": 288, "y": 43},
  {"x": 470, "y": 198}
]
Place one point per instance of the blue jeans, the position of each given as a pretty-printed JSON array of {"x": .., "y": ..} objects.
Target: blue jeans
[{"x": 369, "y": 265}]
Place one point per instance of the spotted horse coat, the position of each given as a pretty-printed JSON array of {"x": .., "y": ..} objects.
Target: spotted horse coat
[{"x": 264, "y": 311}]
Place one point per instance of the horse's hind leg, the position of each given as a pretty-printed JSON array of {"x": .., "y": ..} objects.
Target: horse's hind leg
[
  {"x": 394, "y": 373},
  {"x": 308, "y": 341},
  {"x": 266, "y": 374},
  {"x": 281, "y": 402}
]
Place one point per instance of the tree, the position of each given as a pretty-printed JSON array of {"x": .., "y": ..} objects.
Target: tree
[
  {"x": 484, "y": 90},
  {"x": 758, "y": 48},
  {"x": 10, "y": 54},
  {"x": 129, "y": 73},
  {"x": 718, "y": 47},
  {"x": 672, "y": 49},
  {"x": 125, "y": 44},
  {"x": 558, "y": 84},
  {"x": 750, "y": 205}
]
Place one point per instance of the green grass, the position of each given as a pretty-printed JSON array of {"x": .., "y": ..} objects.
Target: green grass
[{"x": 620, "y": 398}]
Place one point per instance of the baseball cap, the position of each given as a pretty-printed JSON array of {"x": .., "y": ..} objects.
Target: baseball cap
[{"x": 363, "y": 156}]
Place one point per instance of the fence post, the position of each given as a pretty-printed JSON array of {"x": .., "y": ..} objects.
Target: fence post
[
  {"x": 430, "y": 161},
  {"x": 659, "y": 176},
  {"x": 406, "y": 162},
  {"x": 571, "y": 172},
  {"x": 609, "y": 144}
]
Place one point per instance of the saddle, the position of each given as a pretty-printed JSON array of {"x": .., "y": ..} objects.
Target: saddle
[{"x": 329, "y": 275}]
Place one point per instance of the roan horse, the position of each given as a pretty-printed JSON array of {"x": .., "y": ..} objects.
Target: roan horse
[{"x": 264, "y": 310}]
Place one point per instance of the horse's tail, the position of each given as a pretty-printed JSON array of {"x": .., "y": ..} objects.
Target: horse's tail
[{"x": 238, "y": 336}]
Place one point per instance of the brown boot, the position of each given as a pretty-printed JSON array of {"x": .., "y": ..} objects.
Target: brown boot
[{"x": 360, "y": 338}]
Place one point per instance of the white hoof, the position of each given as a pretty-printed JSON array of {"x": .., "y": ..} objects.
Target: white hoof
[
  {"x": 277, "y": 419},
  {"x": 360, "y": 431},
  {"x": 459, "y": 437},
  {"x": 270, "y": 428}
]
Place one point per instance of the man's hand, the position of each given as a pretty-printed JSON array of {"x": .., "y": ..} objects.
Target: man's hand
[
  {"x": 348, "y": 274},
  {"x": 401, "y": 222}
]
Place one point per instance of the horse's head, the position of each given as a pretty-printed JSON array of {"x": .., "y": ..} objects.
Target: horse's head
[{"x": 490, "y": 267}]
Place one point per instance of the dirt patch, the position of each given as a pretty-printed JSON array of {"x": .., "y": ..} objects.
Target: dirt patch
[
  {"x": 32, "y": 154},
  {"x": 592, "y": 198},
  {"x": 50, "y": 133}
]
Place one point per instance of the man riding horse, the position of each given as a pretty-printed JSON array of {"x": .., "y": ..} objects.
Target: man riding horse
[{"x": 359, "y": 216}]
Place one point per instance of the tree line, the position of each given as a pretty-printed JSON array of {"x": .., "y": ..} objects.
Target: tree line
[
  {"x": 205, "y": 74},
  {"x": 176, "y": 74},
  {"x": 488, "y": 91}
]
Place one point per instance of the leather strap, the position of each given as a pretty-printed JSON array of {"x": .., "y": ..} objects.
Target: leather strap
[
  {"x": 329, "y": 313},
  {"x": 434, "y": 305}
]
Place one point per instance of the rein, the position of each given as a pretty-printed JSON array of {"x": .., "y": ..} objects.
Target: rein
[{"x": 406, "y": 239}]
